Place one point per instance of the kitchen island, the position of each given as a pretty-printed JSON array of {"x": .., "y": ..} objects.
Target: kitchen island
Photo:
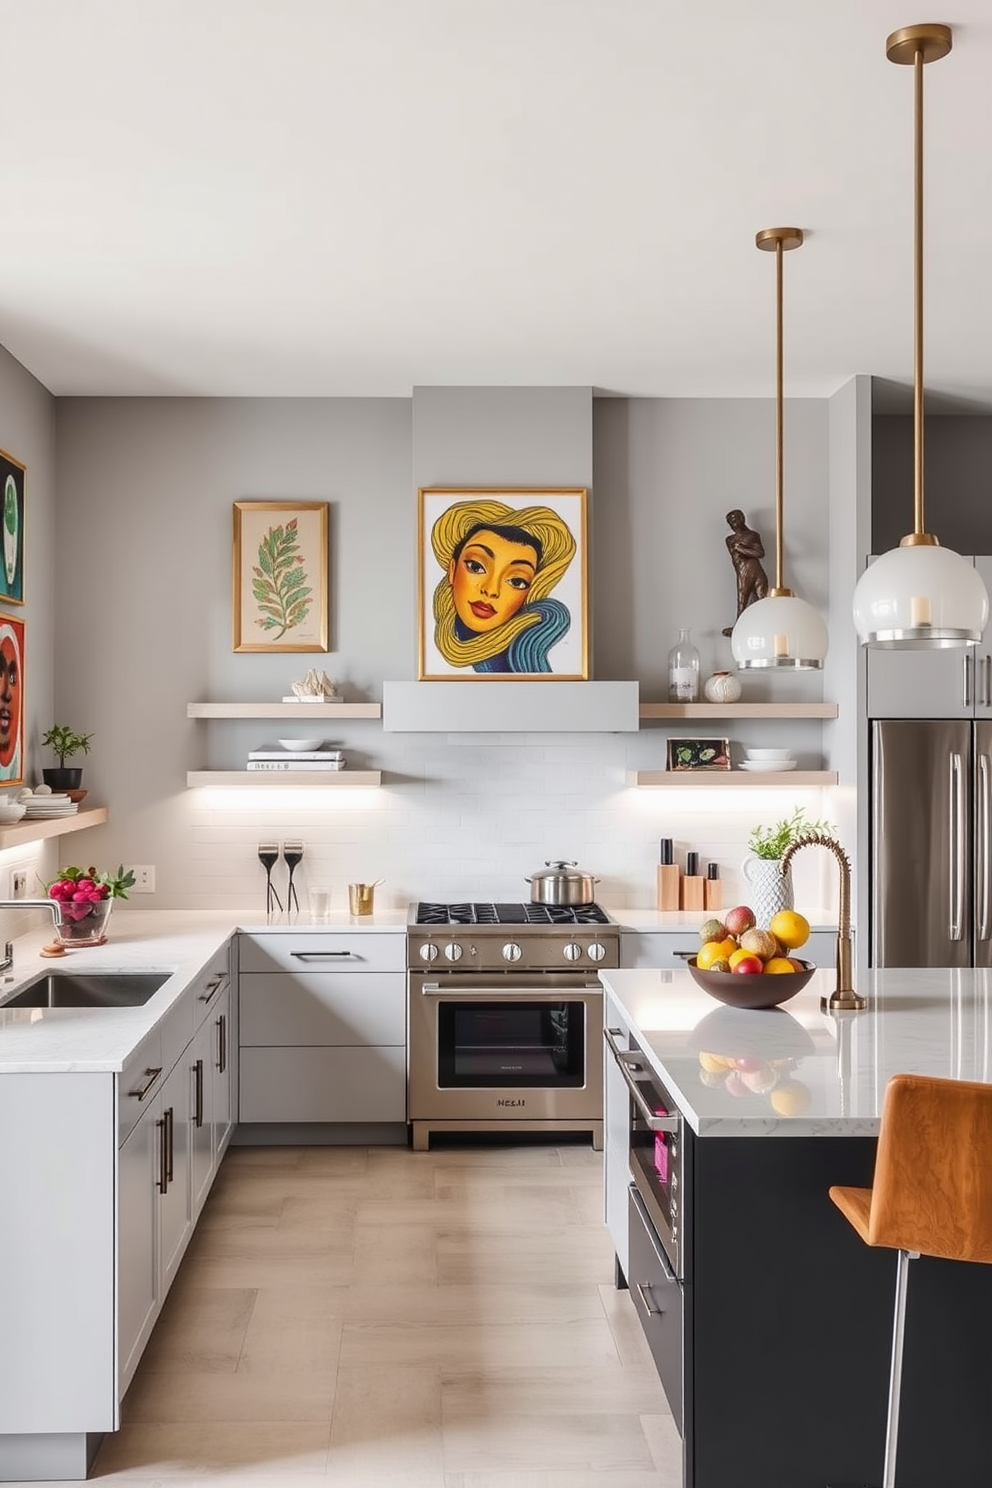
[{"x": 774, "y": 1340}]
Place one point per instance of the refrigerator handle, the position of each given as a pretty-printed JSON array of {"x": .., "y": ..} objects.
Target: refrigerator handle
[
  {"x": 955, "y": 927},
  {"x": 966, "y": 680},
  {"x": 983, "y": 850}
]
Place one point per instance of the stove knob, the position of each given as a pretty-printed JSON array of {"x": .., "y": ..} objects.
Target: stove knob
[
  {"x": 511, "y": 951},
  {"x": 453, "y": 952},
  {"x": 429, "y": 952},
  {"x": 572, "y": 951},
  {"x": 597, "y": 952}
]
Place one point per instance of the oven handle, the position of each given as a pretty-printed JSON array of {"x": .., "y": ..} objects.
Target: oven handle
[
  {"x": 624, "y": 1059},
  {"x": 535, "y": 993}
]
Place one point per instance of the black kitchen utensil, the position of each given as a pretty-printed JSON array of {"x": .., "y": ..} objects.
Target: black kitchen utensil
[
  {"x": 292, "y": 853},
  {"x": 268, "y": 856}
]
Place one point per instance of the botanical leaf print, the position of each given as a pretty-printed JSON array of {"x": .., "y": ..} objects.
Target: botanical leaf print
[{"x": 279, "y": 582}]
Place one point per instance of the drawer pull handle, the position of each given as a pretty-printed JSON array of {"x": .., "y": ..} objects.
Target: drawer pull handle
[
  {"x": 151, "y": 1076},
  {"x": 163, "y": 1158},
  {"x": 326, "y": 955},
  {"x": 649, "y": 1308},
  {"x": 222, "y": 1044},
  {"x": 198, "y": 1093},
  {"x": 208, "y": 995}
]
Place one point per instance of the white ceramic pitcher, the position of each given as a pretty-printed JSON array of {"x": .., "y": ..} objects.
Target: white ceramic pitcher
[{"x": 770, "y": 888}]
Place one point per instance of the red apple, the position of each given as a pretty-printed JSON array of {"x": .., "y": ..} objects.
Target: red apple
[
  {"x": 739, "y": 919},
  {"x": 749, "y": 966}
]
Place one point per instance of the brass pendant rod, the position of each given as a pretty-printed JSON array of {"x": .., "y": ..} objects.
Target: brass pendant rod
[
  {"x": 918, "y": 519},
  {"x": 779, "y": 421}
]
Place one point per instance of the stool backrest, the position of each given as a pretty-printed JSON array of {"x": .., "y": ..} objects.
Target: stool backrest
[{"x": 932, "y": 1189}]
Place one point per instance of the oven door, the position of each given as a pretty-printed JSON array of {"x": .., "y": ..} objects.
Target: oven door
[{"x": 511, "y": 1046}]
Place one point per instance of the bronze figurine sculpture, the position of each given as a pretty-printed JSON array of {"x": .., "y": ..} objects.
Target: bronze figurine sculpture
[{"x": 746, "y": 552}]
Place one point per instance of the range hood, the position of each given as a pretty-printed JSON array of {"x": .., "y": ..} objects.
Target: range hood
[{"x": 497, "y": 707}]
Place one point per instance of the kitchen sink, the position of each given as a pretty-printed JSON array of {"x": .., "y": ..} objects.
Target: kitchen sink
[{"x": 107, "y": 989}]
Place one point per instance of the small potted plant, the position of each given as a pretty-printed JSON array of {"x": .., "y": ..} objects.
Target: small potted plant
[
  {"x": 65, "y": 743},
  {"x": 771, "y": 890},
  {"x": 85, "y": 897}
]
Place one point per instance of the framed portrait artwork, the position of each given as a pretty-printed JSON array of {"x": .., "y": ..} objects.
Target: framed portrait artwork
[
  {"x": 502, "y": 586},
  {"x": 11, "y": 701},
  {"x": 12, "y": 474},
  {"x": 280, "y": 576}
]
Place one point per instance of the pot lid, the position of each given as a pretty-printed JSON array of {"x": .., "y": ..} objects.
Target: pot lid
[{"x": 558, "y": 869}]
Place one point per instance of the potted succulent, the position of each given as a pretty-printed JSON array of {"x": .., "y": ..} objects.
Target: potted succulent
[
  {"x": 771, "y": 890},
  {"x": 65, "y": 743}
]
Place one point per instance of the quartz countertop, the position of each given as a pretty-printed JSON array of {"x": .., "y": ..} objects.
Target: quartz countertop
[
  {"x": 799, "y": 1072},
  {"x": 180, "y": 942}
]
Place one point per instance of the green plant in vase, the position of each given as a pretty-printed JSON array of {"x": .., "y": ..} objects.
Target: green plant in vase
[
  {"x": 65, "y": 744},
  {"x": 769, "y": 889}
]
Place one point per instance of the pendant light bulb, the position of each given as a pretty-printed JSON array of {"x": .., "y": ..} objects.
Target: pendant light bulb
[
  {"x": 781, "y": 631},
  {"x": 919, "y": 596}
]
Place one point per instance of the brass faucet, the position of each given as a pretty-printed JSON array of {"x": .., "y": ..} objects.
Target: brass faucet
[{"x": 843, "y": 999}]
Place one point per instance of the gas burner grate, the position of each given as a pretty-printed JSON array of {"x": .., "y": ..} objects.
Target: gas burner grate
[{"x": 510, "y": 914}]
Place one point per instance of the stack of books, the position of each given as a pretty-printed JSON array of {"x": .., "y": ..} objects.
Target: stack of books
[{"x": 296, "y": 759}]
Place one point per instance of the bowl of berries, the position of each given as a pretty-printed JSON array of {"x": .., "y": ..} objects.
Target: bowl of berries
[
  {"x": 746, "y": 967},
  {"x": 85, "y": 897}
]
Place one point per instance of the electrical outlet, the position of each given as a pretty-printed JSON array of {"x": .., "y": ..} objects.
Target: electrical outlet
[
  {"x": 18, "y": 883},
  {"x": 144, "y": 880}
]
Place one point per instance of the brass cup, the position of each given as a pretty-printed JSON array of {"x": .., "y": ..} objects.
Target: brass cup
[{"x": 360, "y": 898}]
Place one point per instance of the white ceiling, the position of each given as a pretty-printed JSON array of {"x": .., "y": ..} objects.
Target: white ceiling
[{"x": 344, "y": 197}]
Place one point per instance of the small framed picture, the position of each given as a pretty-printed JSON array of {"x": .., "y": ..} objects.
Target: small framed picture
[
  {"x": 699, "y": 754},
  {"x": 11, "y": 701},
  {"x": 12, "y": 474},
  {"x": 280, "y": 576}
]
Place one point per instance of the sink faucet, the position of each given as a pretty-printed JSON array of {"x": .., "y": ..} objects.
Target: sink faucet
[
  {"x": 7, "y": 960},
  {"x": 843, "y": 999}
]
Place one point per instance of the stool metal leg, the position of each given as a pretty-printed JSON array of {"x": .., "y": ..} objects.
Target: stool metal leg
[{"x": 895, "y": 1376}]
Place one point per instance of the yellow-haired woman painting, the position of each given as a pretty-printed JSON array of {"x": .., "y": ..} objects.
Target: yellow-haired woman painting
[{"x": 492, "y": 609}]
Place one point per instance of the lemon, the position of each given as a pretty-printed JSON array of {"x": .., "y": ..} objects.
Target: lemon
[
  {"x": 790, "y": 929},
  {"x": 707, "y": 954},
  {"x": 713, "y": 1063},
  {"x": 738, "y": 955},
  {"x": 790, "y": 1098},
  {"x": 779, "y": 966}
]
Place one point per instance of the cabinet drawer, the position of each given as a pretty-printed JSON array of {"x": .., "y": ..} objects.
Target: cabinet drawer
[
  {"x": 658, "y": 1301},
  {"x": 325, "y": 951},
  {"x": 323, "y": 1084},
  {"x": 137, "y": 1083},
  {"x": 317, "y": 1008}
]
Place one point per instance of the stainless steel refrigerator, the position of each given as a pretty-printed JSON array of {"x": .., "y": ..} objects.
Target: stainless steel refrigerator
[{"x": 931, "y": 901}]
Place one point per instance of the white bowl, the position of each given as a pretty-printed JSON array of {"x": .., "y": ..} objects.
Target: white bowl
[
  {"x": 300, "y": 745},
  {"x": 11, "y": 811},
  {"x": 769, "y": 754}
]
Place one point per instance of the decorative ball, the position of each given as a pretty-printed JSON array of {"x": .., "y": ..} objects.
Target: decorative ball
[{"x": 722, "y": 687}]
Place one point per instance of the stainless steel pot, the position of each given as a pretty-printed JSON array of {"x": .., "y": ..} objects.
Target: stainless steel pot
[{"x": 561, "y": 882}]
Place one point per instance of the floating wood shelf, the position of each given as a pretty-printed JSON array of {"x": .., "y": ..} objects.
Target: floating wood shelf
[
  {"x": 704, "y": 779},
  {"x": 284, "y": 710},
  {"x": 673, "y": 711},
  {"x": 33, "y": 831},
  {"x": 252, "y": 779}
]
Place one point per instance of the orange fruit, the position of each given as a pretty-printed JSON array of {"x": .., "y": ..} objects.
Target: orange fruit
[
  {"x": 738, "y": 955},
  {"x": 779, "y": 966},
  {"x": 708, "y": 953},
  {"x": 790, "y": 929}
]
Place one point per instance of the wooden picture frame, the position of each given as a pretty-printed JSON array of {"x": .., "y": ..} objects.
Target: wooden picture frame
[
  {"x": 510, "y": 608},
  {"x": 698, "y": 754},
  {"x": 12, "y": 479},
  {"x": 280, "y": 575},
  {"x": 11, "y": 701}
]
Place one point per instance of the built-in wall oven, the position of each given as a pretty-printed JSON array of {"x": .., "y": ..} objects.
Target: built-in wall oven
[
  {"x": 506, "y": 1018},
  {"x": 659, "y": 1216}
]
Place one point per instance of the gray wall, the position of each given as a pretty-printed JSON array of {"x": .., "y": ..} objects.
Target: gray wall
[
  {"x": 957, "y": 465},
  {"x": 145, "y": 488}
]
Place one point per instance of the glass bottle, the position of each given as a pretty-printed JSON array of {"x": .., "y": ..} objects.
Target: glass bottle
[{"x": 683, "y": 670}]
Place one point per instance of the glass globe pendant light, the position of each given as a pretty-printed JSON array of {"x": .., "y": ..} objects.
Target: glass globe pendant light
[
  {"x": 919, "y": 596},
  {"x": 781, "y": 630}
]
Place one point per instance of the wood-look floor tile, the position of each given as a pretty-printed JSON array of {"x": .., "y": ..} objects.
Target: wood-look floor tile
[
  {"x": 387, "y": 1302},
  {"x": 193, "y": 1449},
  {"x": 632, "y": 1346},
  {"x": 665, "y": 1443},
  {"x": 322, "y": 1211},
  {"x": 262, "y": 1242},
  {"x": 285, "y": 1346},
  {"x": 200, "y": 1331},
  {"x": 567, "y": 1478},
  {"x": 477, "y": 1346},
  {"x": 395, "y": 1256},
  {"x": 332, "y": 1161},
  {"x": 607, "y": 1444},
  {"x": 387, "y": 1419},
  {"x": 587, "y": 1389},
  {"x": 263, "y": 1157},
  {"x": 495, "y": 1214},
  {"x": 299, "y": 1396},
  {"x": 577, "y": 1255}
]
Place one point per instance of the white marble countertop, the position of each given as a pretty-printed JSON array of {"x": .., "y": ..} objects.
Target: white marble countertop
[
  {"x": 180, "y": 942},
  {"x": 794, "y": 1071}
]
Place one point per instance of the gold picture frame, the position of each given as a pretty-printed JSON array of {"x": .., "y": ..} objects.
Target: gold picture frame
[
  {"x": 513, "y": 607},
  {"x": 280, "y": 576}
]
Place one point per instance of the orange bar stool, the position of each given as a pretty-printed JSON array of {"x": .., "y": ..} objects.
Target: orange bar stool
[{"x": 931, "y": 1194}]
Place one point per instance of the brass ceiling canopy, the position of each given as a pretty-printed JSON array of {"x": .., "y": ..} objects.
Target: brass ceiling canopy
[{"x": 929, "y": 42}]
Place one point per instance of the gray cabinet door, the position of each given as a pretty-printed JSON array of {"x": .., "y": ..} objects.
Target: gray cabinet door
[
  {"x": 175, "y": 1224},
  {"x": 224, "y": 1052},
  {"x": 137, "y": 1243},
  {"x": 200, "y": 1059}
]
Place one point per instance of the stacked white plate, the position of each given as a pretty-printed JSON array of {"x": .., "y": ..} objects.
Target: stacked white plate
[
  {"x": 768, "y": 760},
  {"x": 46, "y": 806}
]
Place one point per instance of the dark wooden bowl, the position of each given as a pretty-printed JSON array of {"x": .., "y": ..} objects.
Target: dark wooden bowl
[{"x": 757, "y": 991}]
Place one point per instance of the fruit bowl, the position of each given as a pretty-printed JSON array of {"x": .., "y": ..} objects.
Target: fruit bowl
[{"x": 763, "y": 990}]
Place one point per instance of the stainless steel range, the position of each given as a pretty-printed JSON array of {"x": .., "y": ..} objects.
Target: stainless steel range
[{"x": 506, "y": 1018}]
